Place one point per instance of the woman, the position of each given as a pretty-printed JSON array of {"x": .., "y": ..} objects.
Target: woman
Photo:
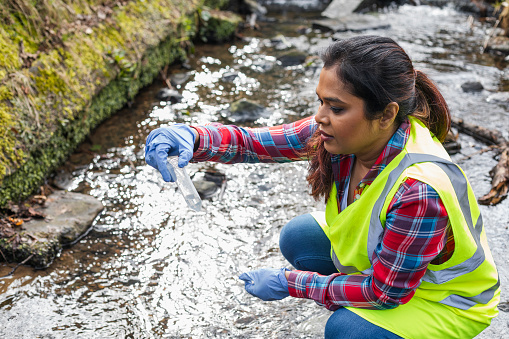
[{"x": 401, "y": 250}]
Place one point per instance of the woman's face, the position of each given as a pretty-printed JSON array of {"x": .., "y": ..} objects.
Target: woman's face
[{"x": 342, "y": 122}]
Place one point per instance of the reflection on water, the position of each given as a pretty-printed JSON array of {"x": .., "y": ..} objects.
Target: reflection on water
[{"x": 151, "y": 268}]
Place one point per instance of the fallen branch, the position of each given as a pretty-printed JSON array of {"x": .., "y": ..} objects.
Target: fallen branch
[
  {"x": 479, "y": 133},
  {"x": 484, "y": 150},
  {"x": 500, "y": 181},
  {"x": 500, "y": 173},
  {"x": 18, "y": 265}
]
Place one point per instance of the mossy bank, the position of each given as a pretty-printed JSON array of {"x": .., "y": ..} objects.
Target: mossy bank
[{"x": 68, "y": 65}]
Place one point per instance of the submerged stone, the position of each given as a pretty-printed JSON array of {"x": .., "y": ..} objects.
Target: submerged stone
[
  {"x": 292, "y": 58},
  {"x": 229, "y": 76},
  {"x": 167, "y": 94},
  {"x": 179, "y": 78},
  {"x": 472, "y": 86},
  {"x": 245, "y": 110}
]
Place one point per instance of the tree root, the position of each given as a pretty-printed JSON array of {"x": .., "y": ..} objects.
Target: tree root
[{"x": 500, "y": 181}]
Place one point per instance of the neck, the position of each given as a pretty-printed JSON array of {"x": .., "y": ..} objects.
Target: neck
[{"x": 368, "y": 159}]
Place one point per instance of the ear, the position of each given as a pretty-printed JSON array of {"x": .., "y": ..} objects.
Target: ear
[{"x": 389, "y": 115}]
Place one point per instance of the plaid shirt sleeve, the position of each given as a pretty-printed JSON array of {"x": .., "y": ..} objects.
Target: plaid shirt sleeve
[
  {"x": 415, "y": 233},
  {"x": 232, "y": 144}
]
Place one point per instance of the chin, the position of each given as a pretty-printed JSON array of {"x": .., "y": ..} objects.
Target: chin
[{"x": 332, "y": 150}]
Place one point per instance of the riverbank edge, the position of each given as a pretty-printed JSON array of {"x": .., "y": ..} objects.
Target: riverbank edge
[
  {"x": 117, "y": 87},
  {"x": 75, "y": 86}
]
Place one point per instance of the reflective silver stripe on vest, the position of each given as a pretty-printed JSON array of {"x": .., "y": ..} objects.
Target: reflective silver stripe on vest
[
  {"x": 341, "y": 268},
  {"x": 465, "y": 303},
  {"x": 460, "y": 186}
]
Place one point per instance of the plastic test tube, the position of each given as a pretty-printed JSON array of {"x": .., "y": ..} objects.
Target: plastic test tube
[{"x": 184, "y": 183}]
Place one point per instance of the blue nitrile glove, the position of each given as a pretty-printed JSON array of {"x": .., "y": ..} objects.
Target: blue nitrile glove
[
  {"x": 162, "y": 142},
  {"x": 266, "y": 283}
]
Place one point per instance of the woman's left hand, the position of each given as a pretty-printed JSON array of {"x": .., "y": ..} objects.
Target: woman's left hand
[{"x": 266, "y": 283}]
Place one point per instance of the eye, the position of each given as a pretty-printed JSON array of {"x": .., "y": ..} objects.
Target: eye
[
  {"x": 336, "y": 110},
  {"x": 320, "y": 101}
]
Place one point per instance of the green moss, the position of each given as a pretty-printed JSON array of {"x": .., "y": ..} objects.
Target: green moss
[
  {"x": 43, "y": 252},
  {"x": 9, "y": 153},
  {"x": 218, "y": 26},
  {"x": 216, "y": 4},
  {"x": 9, "y": 57}
]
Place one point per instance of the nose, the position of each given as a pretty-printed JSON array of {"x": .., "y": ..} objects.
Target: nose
[{"x": 321, "y": 116}]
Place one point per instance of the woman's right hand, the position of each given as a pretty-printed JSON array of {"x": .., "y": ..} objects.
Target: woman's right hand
[{"x": 163, "y": 142}]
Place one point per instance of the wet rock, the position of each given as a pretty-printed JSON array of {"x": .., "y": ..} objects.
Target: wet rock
[
  {"x": 304, "y": 30},
  {"x": 340, "y": 8},
  {"x": 166, "y": 94},
  {"x": 62, "y": 179},
  {"x": 229, "y": 76},
  {"x": 343, "y": 8},
  {"x": 218, "y": 26},
  {"x": 294, "y": 5},
  {"x": 209, "y": 183},
  {"x": 280, "y": 42},
  {"x": 179, "y": 78},
  {"x": 206, "y": 189},
  {"x": 68, "y": 216},
  {"x": 354, "y": 23},
  {"x": 292, "y": 58},
  {"x": 499, "y": 43},
  {"x": 328, "y": 25},
  {"x": 472, "y": 86},
  {"x": 186, "y": 65},
  {"x": 245, "y": 110},
  {"x": 253, "y": 7},
  {"x": 263, "y": 64},
  {"x": 242, "y": 322}
]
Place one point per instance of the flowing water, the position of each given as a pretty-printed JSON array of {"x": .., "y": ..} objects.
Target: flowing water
[{"x": 152, "y": 268}]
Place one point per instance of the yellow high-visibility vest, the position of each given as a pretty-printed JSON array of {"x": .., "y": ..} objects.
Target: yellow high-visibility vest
[{"x": 456, "y": 299}]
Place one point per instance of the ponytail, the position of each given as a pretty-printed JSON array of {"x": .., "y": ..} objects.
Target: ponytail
[{"x": 431, "y": 107}]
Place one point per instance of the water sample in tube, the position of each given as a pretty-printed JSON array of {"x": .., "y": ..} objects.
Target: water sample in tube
[{"x": 184, "y": 183}]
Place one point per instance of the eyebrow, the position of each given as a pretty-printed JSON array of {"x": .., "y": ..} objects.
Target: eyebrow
[{"x": 332, "y": 99}]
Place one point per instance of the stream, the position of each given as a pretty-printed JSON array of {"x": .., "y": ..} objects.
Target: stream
[{"x": 151, "y": 268}]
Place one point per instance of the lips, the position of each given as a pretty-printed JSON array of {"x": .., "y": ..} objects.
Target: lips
[{"x": 325, "y": 136}]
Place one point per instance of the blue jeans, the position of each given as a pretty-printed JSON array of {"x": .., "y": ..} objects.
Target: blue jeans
[{"x": 305, "y": 245}]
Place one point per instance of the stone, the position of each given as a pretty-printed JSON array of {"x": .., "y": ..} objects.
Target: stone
[
  {"x": 472, "y": 86},
  {"x": 205, "y": 189},
  {"x": 229, "y": 76},
  {"x": 179, "y": 78},
  {"x": 171, "y": 95},
  {"x": 498, "y": 43},
  {"x": 292, "y": 58},
  {"x": 244, "y": 110},
  {"x": 341, "y": 8},
  {"x": 68, "y": 216},
  {"x": 353, "y": 23}
]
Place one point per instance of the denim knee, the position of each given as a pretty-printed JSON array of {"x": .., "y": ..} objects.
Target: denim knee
[{"x": 304, "y": 244}]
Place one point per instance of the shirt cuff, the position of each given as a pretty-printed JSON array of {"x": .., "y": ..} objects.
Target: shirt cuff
[
  {"x": 297, "y": 282},
  {"x": 201, "y": 152}
]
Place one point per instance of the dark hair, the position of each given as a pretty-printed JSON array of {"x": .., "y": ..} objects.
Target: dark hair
[{"x": 377, "y": 70}]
